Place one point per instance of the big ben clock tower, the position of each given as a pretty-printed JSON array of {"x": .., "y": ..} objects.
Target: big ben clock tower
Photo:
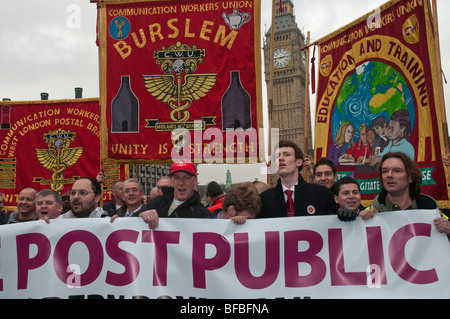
[{"x": 289, "y": 82}]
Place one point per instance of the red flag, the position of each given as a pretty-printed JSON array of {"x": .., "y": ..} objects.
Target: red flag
[
  {"x": 47, "y": 144},
  {"x": 351, "y": 94},
  {"x": 281, "y": 6},
  {"x": 177, "y": 81}
]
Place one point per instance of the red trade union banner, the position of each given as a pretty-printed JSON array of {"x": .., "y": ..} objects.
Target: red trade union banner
[
  {"x": 175, "y": 75},
  {"x": 378, "y": 92},
  {"x": 48, "y": 144}
]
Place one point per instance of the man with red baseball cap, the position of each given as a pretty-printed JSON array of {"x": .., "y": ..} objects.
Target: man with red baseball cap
[
  {"x": 183, "y": 166},
  {"x": 181, "y": 200}
]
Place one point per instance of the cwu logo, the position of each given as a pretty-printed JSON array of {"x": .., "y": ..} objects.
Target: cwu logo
[{"x": 119, "y": 28}]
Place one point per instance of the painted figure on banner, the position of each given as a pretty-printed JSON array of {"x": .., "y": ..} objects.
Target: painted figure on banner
[
  {"x": 360, "y": 153},
  {"x": 380, "y": 80},
  {"x": 399, "y": 132},
  {"x": 343, "y": 141},
  {"x": 380, "y": 125},
  {"x": 119, "y": 28},
  {"x": 376, "y": 99},
  {"x": 376, "y": 143}
]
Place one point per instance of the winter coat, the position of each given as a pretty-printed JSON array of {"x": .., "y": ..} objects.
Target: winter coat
[
  {"x": 191, "y": 208},
  {"x": 422, "y": 201},
  {"x": 309, "y": 200}
]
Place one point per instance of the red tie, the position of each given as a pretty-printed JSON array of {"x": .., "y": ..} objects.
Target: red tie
[{"x": 289, "y": 203}]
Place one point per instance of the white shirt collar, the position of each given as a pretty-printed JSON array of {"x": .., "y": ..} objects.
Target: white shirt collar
[{"x": 127, "y": 214}]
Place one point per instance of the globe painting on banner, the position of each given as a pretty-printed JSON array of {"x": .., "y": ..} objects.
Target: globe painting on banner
[{"x": 378, "y": 93}]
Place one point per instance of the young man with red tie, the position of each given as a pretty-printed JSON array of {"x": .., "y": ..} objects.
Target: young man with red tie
[{"x": 293, "y": 196}]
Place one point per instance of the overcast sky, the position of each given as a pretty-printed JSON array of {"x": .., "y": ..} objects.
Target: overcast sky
[{"x": 49, "y": 45}]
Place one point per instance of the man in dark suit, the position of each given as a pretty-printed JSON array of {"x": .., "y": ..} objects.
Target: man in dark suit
[
  {"x": 292, "y": 196},
  {"x": 132, "y": 195}
]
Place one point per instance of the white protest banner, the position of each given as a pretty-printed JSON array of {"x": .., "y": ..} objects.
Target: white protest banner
[{"x": 394, "y": 255}]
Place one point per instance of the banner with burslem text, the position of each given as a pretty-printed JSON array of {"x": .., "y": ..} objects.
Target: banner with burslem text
[
  {"x": 393, "y": 255},
  {"x": 378, "y": 92},
  {"x": 180, "y": 79}
]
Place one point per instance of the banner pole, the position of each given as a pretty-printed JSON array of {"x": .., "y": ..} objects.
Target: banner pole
[
  {"x": 270, "y": 88},
  {"x": 98, "y": 37},
  {"x": 307, "y": 103},
  {"x": 440, "y": 84}
]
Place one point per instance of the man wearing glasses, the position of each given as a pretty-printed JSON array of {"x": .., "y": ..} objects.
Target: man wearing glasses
[
  {"x": 132, "y": 195},
  {"x": 85, "y": 195}
]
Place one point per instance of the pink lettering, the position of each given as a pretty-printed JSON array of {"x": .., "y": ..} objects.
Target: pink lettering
[
  {"x": 161, "y": 239},
  {"x": 292, "y": 257},
  {"x": 61, "y": 256},
  {"x": 241, "y": 261},
  {"x": 339, "y": 277},
  {"x": 1, "y": 280},
  {"x": 303, "y": 267},
  {"x": 199, "y": 261},
  {"x": 24, "y": 262},
  {"x": 398, "y": 259},
  {"x": 129, "y": 261},
  {"x": 376, "y": 256}
]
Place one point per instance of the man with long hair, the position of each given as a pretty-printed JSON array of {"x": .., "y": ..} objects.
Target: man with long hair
[{"x": 401, "y": 180}]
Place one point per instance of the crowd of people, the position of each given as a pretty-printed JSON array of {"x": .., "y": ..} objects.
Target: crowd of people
[{"x": 177, "y": 196}]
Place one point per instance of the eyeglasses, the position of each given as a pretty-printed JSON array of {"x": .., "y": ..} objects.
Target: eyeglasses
[
  {"x": 82, "y": 193},
  {"x": 131, "y": 190}
]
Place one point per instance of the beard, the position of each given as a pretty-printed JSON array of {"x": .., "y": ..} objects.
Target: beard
[{"x": 81, "y": 211}]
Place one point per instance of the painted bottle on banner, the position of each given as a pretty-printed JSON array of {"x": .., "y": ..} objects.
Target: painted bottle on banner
[
  {"x": 236, "y": 112},
  {"x": 5, "y": 117},
  {"x": 125, "y": 109}
]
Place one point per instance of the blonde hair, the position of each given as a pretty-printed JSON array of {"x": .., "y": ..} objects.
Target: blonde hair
[{"x": 340, "y": 136}]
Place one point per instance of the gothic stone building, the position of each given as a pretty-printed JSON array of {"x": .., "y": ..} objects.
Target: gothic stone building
[{"x": 288, "y": 113}]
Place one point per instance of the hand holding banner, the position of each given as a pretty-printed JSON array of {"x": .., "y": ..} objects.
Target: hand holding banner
[{"x": 393, "y": 255}]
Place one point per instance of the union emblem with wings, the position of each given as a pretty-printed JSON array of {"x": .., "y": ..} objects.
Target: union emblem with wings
[
  {"x": 164, "y": 88},
  {"x": 58, "y": 156},
  {"x": 179, "y": 92}
]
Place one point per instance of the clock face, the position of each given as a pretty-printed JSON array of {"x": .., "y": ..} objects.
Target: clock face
[{"x": 281, "y": 57}]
